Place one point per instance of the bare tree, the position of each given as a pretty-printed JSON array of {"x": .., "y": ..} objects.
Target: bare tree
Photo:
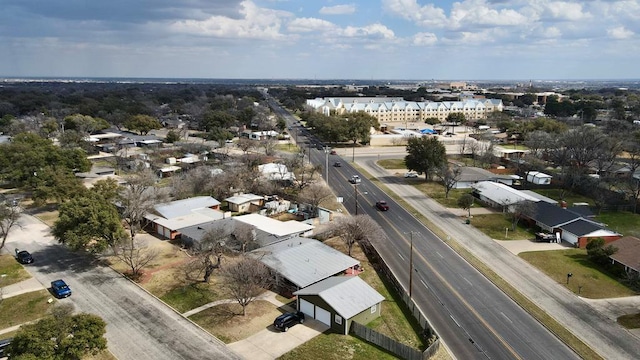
[
  {"x": 243, "y": 237},
  {"x": 246, "y": 279},
  {"x": 245, "y": 144},
  {"x": 449, "y": 177},
  {"x": 355, "y": 229},
  {"x": 466, "y": 202},
  {"x": 137, "y": 198},
  {"x": 136, "y": 255},
  {"x": 214, "y": 243},
  {"x": 520, "y": 210},
  {"x": 9, "y": 216},
  {"x": 269, "y": 145},
  {"x": 314, "y": 194}
]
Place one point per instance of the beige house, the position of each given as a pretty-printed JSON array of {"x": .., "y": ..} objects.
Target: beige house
[{"x": 244, "y": 203}]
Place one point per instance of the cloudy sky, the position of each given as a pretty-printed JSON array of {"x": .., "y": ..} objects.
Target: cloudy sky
[{"x": 310, "y": 39}]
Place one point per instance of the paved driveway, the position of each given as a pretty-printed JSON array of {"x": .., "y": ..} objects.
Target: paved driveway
[
  {"x": 271, "y": 343},
  {"x": 139, "y": 326}
]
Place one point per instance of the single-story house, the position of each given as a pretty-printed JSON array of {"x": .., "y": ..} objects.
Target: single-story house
[
  {"x": 277, "y": 228},
  {"x": 167, "y": 218},
  {"x": 499, "y": 195},
  {"x": 581, "y": 231},
  {"x": 245, "y": 202},
  {"x": 628, "y": 254},
  {"x": 550, "y": 217},
  {"x": 538, "y": 178},
  {"x": 470, "y": 175},
  {"x": 339, "y": 300},
  {"x": 193, "y": 234},
  {"x": 303, "y": 261},
  {"x": 275, "y": 171}
]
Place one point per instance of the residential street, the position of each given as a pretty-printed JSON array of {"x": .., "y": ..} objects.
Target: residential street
[
  {"x": 139, "y": 326},
  {"x": 601, "y": 333}
]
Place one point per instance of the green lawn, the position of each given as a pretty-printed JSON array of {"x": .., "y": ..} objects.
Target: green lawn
[
  {"x": 630, "y": 321},
  {"x": 392, "y": 164},
  {"x": 23, "y": 308},
  {"x": 189, "y": 297},
  {"x": 11, "y": 271},
  {"x": 560, "y": 194},
  {"x": 338, "y": 347},
  {"x": 589, "y": 279},
  {"x": 436, "y": 191},
  {"x": 495, "y": 225},
  {"x": 623, "y": 222}
]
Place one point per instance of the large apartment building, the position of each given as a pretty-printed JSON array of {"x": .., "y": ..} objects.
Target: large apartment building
[{"x": 396, "y": 110}]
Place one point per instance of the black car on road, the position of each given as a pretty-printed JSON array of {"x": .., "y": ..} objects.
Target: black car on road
[{"x": 287, "y": 320}]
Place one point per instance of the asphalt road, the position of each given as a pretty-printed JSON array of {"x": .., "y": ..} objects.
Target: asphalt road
[
  {"x": 139, "y": 326},
  {"x": 474, "y": 318}
]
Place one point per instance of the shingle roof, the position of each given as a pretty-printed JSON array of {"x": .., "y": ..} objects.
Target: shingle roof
[
  {"x": 303, "y": 261},
  {"x": 553, "y": 215},
  {"x": 628, "y": 252},
  {"x": 347, "y": 295},
  {"x": 583, "y": 227}
]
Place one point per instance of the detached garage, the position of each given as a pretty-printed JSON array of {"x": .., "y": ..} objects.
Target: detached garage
[
  {"x": 580, "y": 232},
  {"x": 339, "y": 300}
]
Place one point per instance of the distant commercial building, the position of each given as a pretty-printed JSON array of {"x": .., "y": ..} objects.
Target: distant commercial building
[{"x": 396, "y": 110}]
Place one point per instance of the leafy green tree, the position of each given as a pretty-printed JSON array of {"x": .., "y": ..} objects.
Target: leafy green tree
[
  {"x": 598, "y": 252},
  {"x": 172, "y": 137},
  {"x": 32, "y": 162},
  {"x": 216, "y": 119},
  {"x": 358, "y": 127},
  {"x": 456, "y": 118},
  {"x": 432, "y": 121},
  {"x": 84, "y": 124},
  {"x": 466, "y": 202},
  {"x": 425, "y": 155},
  {"x": 89, "y": 223},
  {"x": 143, "y": 124},
  {"x": 61, "y": 336}
]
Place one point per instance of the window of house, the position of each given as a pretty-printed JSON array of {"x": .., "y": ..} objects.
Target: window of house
[
  {"x": 338, "y": 319},
  {"x": 374, "y": 308}
]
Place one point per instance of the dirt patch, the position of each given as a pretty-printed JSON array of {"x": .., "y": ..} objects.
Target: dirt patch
[{"x": 227, "y": 323}]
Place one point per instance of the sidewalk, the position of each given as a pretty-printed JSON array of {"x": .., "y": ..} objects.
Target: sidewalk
[
  {"x": 22, "y": 287},
  {"x": 601, "y": 333}
]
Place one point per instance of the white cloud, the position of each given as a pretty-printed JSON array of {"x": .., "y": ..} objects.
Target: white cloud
[
  {"x": 478, "y": 12},
  {"x": 338, "y": 10},
  {"x": 619, "y": 33},
  {"x": 254, "y": 23},
  {"x": 374, "y": 31},
  {"x": 424, "y": 39},
  {"x": 310, "y": 25},
  {"x": 427, "y": 15},
  {"x": 564, "y": 11}
]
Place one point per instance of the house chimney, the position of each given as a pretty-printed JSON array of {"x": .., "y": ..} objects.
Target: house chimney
[{"x": 563, "y": 204}]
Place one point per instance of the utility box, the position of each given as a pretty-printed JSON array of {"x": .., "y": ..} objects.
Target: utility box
[{"x": 538, "y": 178}]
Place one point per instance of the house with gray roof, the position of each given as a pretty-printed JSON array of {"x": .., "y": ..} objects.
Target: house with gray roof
[
  {"x": 338, "y": 301},
  {"x": 165, "y": 219},
  {"x": 303, "y": 261},
  {"x": 581, "y": 231},
  {"x": 245, "y": 202},
  {"x": 470, "y": 175},
  {"x": 499, "y": 195}
]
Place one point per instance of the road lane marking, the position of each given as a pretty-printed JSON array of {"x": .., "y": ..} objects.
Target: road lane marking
[
  {"x": 454, "y": 320},
  {"x": 401, "y": 257},
  {"x": 506, "y": 317},
  {"x": 467, "y": 280},
  {"x": 440, "y": 255}
]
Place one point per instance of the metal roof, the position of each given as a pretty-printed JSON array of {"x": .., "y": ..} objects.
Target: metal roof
[
  {"x": 347, "y": 295},
  {"x": 501, "y": 193},
  {"x": 185, "y": 206},
  {"x": 303, "y": 261},
  {"x": 243, "y": 198},
  {"x": 273, "y": 226}
]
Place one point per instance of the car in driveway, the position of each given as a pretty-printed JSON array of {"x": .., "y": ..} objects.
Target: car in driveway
[
  {"x": 4, "y": 344},
  {"x": 285, "y": 321},
  {"x": 355, "y": 179},
  {"x": 60, "y": 289},
  {"x": 24, "y": 257},
  {"x": 382, "y": 205},
  {"x": 411, "y": 174}
]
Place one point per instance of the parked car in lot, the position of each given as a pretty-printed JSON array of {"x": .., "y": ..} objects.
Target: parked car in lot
[
  {"x": 382, "y": 205},
  {"x": 411, "y": 174},
  {"x": 60, "y": 289},
  {"x": 287, "y": 320},
  {"x": 337, "y": 164},
  {"x": 24, "y": 257},
  {"x": 355, "y": 179}
]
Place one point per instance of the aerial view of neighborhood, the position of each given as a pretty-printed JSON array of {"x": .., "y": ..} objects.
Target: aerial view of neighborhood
[{"x": 293, "y": 180}]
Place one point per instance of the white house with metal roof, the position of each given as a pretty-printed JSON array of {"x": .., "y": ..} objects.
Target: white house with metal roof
[
  {"x": 276, "y": 227},
  {"x": 303, "y": 261},
  {"x": 499, "y": 195},
  {"x": 244, "y": 202},
  {"x": 339, "y": 300},
  {"x": 167, "y": 218}
]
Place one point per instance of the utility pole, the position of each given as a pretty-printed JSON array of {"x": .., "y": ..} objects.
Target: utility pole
[{"x": 355, "y": 188}]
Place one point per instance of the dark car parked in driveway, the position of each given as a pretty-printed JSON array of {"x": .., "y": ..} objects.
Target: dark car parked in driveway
[
  {"x": 60, "y": 289},
  {"x": 287, "y": 320},
  {"x": 24, "y": 257},
  {"x": 4, "y": 344}
]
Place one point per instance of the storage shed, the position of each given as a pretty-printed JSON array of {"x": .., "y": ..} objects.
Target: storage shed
[{"x": 539, "y": 178}]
